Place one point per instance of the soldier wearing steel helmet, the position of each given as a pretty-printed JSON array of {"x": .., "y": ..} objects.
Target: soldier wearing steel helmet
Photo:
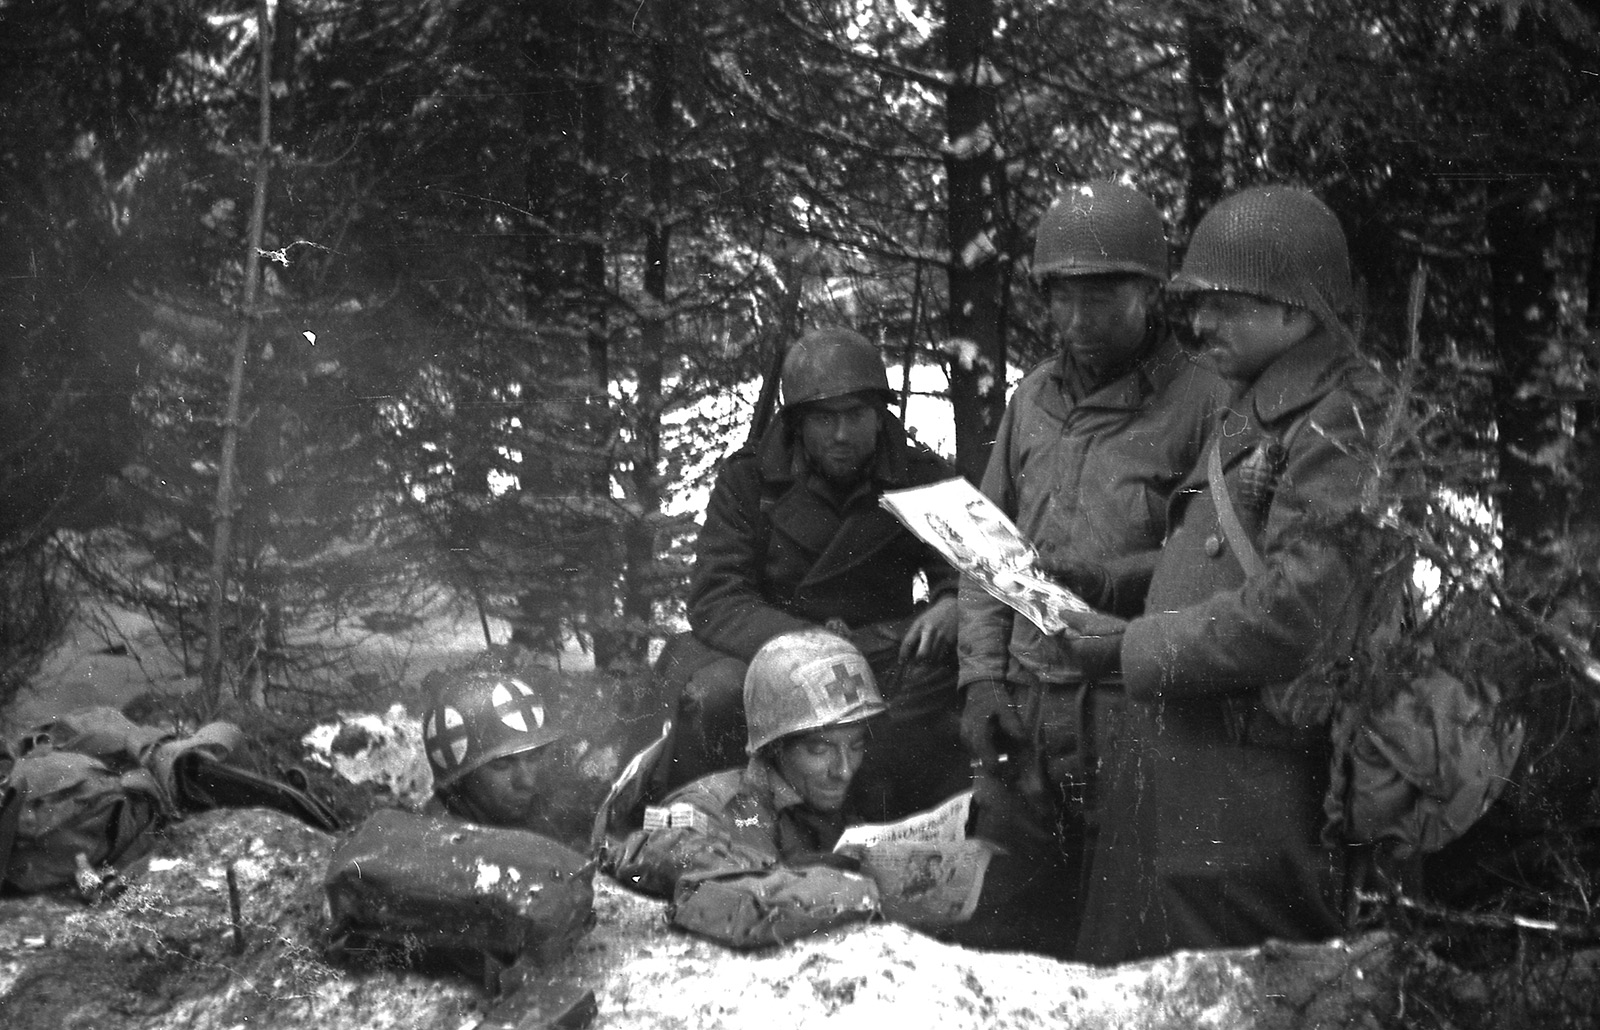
[
  {"x": 810, "y": 698},
  {"x": 1215, "y": 755},
  {"x": 1090, "y": 448},
  {"x": 488, "y": 737},
  {"x": 794, "y": 538}
]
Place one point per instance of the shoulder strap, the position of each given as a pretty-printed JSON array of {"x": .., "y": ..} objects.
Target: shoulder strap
[
  {"x": 203, "y": 781},
  {"x": 1243, "y": 547}
]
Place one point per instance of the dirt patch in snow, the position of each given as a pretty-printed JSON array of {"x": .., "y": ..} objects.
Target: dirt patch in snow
[{"x": 165, "y": 956}]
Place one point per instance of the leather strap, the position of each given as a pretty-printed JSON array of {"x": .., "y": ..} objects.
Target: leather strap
[
  {"x": 1232, "y": 528},
  {"x": 1227, "y": 514}
]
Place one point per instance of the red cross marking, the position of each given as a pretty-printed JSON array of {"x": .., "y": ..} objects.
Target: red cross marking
[{"x": 849, "y": 683}]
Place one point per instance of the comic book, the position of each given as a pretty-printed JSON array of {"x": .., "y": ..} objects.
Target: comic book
[
  {"x": 977, "y": 538},
  {"x": 928, "y": 872}
]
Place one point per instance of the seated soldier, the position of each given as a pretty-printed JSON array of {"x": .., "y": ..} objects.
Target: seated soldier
[
  {"x": 808, "y": 695},
  {"x": 487, "y": 737},
  {"x": 794, "y": 537}
]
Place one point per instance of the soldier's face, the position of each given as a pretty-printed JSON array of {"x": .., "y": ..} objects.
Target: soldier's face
[
  {"x": 819, "y": 765},
  {"x": 1240, "y": 335},
  {"x": 511, "y": 789},
  {"x": 840, "y": 435},
  {"x": 1101, "y": 319}
]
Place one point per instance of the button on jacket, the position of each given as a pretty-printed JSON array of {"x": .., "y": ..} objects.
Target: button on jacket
[
  {"x": 781, "y": 550},
  {"x": 1209, "y": 833}
]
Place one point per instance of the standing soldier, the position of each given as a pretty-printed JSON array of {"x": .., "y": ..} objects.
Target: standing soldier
[
  {"x": 1216, "y": 758},
  {"x": 1091, "y": 446},
  {"x": 794, "y": 538}
]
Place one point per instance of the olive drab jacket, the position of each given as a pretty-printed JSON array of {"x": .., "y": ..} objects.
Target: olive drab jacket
[
  {"x": 1086, "y": 473},
  {"x": 728, "y": 849},
  {"x": 780, "y": 551},
  {"x": 1209, "y": 807}
]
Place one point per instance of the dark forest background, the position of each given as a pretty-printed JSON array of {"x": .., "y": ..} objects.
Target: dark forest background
[
  {"x": 314, "y": 309},
  {"x": 314, "y": 312}
]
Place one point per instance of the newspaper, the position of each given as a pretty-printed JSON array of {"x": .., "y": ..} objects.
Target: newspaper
[
  {"x": 928, "y": 873},
  {"x": 977, "y": 538},
  {"x": 928, "y": 884},
  {"x": 945, "y": 822}
]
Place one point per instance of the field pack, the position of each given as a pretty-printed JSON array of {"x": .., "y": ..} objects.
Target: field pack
[
  {"x": 433, "y": 890},
  {"x": 1410, "y": 775},
  {"x": 82, "y": 795},
  {"x": 1416, "y": 773}
]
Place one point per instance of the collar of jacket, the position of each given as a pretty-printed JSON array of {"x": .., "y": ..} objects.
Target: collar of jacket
[
  {"x": 1292, "y": 384},
  {"x": 1299, "y": 378},
  {"x": 788, "y": 807},
  {"x": 783, "y": 460},
  {"x": 762, "y": 775},
  {"x": 1128, "y": 391}
]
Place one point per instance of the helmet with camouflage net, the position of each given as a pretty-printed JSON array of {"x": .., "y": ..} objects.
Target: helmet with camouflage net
[
  {"x": 828, "y": 363},
  {"x": 1276, "y": 242},
  {"x": 479, "y": 717},
  {"x": 1101, "y": 228},
  {"x": 807, "y": 680}
]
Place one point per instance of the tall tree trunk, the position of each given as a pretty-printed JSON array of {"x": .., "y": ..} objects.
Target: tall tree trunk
[
  {"x": 975, "y": 318},
  {"x": 592, "y": 215},
  {"x": 1205, "y": 124},
  {"x": 568, "y": 359},
  {"x": 639, "y": 575},
  {"x": 1535, "y": 500},
  {"x": 227, "y": 472}
]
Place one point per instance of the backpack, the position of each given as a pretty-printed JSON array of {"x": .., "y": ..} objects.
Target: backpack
[
  {"x": 1410, "y": 775},
  {"x": 1415, "y": 773},
  {"x": 87, "y": 791},
  {"x": 431, "y": 890}
]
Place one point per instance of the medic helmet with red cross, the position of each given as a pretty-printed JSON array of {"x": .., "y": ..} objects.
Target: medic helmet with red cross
[
  {"x": 806, "y": 680},
  {"x": 478, "y": 717}
]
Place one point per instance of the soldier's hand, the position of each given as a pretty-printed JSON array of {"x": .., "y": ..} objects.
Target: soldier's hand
[
  {"x": 933, "y": 633},
  {"x": 990, "y": 722},
  {"x": 1096, "y": 642},
  {"x": 1092, "y": 624},
  {"x": 1089, "y": 580}
]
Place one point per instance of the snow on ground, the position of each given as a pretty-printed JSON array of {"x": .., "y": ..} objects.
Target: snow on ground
[{"x": 112, "y": 655}]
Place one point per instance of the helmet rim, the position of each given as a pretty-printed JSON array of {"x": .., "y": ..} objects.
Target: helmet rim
[
  {"x": 807, "y": 680},
  {"x": 482, "y": 717}
]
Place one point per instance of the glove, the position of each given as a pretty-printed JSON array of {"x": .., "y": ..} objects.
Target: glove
[
  {"x": 1096, "y": 642},
  {"x": 1089, "y": 580},
  {"x": 988, "y": 720},
  {"x": 1098, "y": 657}
]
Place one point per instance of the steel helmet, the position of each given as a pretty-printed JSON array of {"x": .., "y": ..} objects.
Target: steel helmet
[
  {"x": 827, "y": 363},
  {"x": 1276, "y": 242},
  {"x": 478, "y": 717},
  {"x": 1101, "y": 228},
  {"x": 806, "y": 680}
]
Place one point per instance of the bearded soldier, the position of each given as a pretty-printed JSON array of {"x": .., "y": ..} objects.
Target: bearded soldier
[{"x": 794, "y": 538}]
